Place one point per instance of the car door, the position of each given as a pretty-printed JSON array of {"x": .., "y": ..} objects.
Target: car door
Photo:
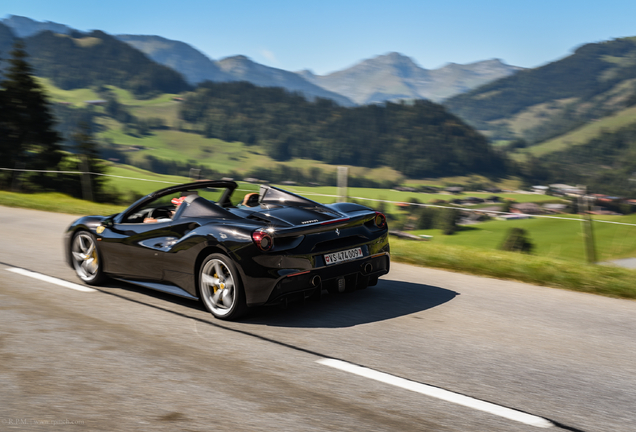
[{"x": 133, "y": 250}]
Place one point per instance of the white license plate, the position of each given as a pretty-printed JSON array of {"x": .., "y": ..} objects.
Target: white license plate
[{"x": 346, "y": 255}]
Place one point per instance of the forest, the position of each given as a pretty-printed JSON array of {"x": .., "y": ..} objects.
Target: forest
[{"x": 419, "y": 139}]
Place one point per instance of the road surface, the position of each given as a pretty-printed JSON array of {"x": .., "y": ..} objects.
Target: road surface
[{"x": 424, "y": 350}]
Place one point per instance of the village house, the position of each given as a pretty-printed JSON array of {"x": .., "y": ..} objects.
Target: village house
[
  {"x": 567, "y": 190},
  {"x": 526, "y": 208},
  {"x": 555, "y": 208}
]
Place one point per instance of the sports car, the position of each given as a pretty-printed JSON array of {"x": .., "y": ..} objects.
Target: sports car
[{"x": 195, "y": 241}]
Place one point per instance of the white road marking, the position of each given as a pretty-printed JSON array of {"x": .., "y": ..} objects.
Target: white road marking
[
  {"x": 439, "y": 393},
  {"x": 50, "y": 279}
]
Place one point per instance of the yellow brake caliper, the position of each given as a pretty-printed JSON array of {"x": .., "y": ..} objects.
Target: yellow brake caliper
[{"x": 219, "y": 286}]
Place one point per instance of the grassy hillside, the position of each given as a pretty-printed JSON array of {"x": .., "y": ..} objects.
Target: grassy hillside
[
  {"x": 539, "y": 104},
  {"x": 585, "y": 133},
  {"x": 76, "y": 97}
]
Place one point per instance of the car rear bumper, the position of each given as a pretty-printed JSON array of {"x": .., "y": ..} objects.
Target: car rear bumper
[{"x": 348, "y": 275}]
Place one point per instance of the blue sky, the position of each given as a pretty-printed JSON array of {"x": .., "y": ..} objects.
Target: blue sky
[{"x": 330, "y": 35}]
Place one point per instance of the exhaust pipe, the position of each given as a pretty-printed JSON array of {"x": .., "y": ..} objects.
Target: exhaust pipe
[
  {"x": 316, "y": 281},
  {"x": 368, "y": 268}
]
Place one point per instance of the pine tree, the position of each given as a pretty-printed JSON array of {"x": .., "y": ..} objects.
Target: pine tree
[
  {"x": 28, "y": 137},
  {"x": 88, "y": 152},
  {"x": 5, "y": 144}
]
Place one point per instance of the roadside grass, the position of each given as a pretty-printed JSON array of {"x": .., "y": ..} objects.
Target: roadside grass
[
  {"x": 540, "y": 270},
  {"x": 595, "y": 279},
  {"x": 553, "y": 238},
  {"x": 57, "y": 203}
]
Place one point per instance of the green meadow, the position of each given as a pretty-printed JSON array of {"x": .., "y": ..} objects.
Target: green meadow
[
  {"x": 360, "y": 194},
  {"x": 553, "y": 238}
]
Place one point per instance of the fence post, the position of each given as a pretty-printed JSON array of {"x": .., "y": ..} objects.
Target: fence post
[
  {"x": 591, "y": 243},
  {"x": 87, "y": 189}
]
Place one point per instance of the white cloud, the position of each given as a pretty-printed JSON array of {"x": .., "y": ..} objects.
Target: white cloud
[{"x": 269, "y": 55}]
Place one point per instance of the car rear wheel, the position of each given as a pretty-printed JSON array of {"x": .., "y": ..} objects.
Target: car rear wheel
[
  {"x": 86, "y": 258},
  {"x": 220, "y": 288}
]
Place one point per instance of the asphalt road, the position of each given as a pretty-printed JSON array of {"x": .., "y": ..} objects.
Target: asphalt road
[{"x": 125, "y": 358}]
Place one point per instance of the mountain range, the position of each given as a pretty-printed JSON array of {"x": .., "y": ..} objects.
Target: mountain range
[
  {"x": 395, "y": 76},
  {"x": 388, "y": 77}
]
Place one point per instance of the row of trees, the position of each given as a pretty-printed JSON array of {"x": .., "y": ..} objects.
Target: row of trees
[{"x": 30, "y": 141}]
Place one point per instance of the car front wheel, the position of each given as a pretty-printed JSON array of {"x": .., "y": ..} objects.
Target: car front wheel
[
  {"x": 86, "y": 258},
  {"x": 220, "y": 288}
]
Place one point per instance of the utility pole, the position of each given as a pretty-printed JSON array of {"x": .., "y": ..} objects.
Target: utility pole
[
  {"x": 342, "y": 183},
  {"x": 588, "y": 229}
]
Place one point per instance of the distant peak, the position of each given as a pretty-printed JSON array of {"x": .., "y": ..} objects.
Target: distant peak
[
  {"x": 393, "y": 56},
  {"x": 240, "y": 58},
  {"x": 491, "y": 61}
]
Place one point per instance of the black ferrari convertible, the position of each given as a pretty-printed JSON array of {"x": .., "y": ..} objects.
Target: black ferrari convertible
[{"x": 195, "y": 241}]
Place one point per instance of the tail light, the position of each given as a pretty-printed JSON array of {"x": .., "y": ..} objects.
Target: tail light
[
  {"x": 263, "y": 240},
  {"x": 380, "y": 220}
]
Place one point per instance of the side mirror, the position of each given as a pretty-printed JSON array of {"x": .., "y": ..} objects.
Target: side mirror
[{"x": 108, "y": 222}]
